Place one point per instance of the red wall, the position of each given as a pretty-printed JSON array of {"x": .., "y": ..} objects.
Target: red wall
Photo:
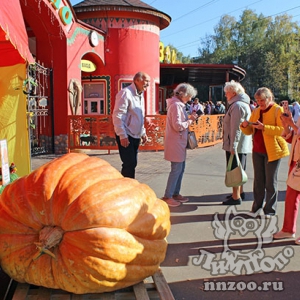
[
  {"x": 129, "y": 42},
  {"x": 131, "y": 45},
  {"x": 59, "y": 47}
]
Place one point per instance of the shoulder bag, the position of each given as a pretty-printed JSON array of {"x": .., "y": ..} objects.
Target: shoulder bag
[
  {"x": 293, "y": 180},
  {"x": 191, "y": 140},
  {"x": 237, "y": 176}
]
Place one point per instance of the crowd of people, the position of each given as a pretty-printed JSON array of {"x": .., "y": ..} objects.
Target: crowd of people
[
  {"x": 259, "y": 127},
  {"x": 207, "y": 107}
]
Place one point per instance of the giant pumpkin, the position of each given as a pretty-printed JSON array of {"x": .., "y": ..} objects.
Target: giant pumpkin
[{"x": 77, "y": 224}]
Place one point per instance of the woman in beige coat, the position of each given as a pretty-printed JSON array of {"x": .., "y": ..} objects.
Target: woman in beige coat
[{"x": 176, "y": 140}]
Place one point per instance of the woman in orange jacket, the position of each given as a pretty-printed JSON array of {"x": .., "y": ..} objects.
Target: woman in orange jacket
[{"x": 268, "y": 149}]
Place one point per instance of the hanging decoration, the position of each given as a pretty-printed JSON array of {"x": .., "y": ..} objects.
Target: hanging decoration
[{"x": 75, "y": 89}]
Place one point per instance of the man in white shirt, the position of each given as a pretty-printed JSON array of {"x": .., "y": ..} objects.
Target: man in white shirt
[
  {"x": 296, "y": 111},
  {"x": 128, "y": 119},
  {"x": 195, "y": 106}
]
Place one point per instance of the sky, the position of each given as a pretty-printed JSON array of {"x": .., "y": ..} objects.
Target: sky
[{"x": 192, "y": 20}]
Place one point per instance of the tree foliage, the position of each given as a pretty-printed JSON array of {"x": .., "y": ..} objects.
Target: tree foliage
[{"x": 267, "y": 48}]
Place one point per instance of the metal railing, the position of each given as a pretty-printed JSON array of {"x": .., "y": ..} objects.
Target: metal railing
[{"x": 97, "y": 132}]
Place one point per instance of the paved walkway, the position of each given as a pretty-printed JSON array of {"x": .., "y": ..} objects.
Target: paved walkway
[{"x": 193, "y": 230}]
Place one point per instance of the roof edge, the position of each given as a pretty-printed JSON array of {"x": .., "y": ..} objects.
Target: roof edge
[{"x": 165, "y": 19}]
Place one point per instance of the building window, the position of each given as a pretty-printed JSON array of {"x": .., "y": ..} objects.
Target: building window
[
  {"x": 125, "y": 84},
  {"x": 93, "y": 98}
]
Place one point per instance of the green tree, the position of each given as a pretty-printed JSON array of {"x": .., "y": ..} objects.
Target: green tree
[{"x": 267, "y": 49}]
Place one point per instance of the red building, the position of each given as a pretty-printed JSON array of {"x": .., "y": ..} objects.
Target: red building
[
  {"x": 60, "y": 43},
  {"x": 80, "y": 66},
  {"x": 132, "y": 30},
  {"x": 83, "y": 56}
]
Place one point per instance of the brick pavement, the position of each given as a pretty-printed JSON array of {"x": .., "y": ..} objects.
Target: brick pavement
[
  {"x": 150, "y": 163},
  {"x": 192, "y": 228}
]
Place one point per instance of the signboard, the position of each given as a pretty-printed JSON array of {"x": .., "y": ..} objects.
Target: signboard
[
  {"x": 64, "y": 11},
  {"x": 4, "y": 163},
  {"x": 87, "y": 66},
  {"x": 166, "y": 55}
]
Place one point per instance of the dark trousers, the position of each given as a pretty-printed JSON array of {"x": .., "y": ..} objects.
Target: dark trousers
[
  {"x": 242, "y": 158},
  {"x": 265, "y": 183},
  {"x": 128, "y": 156}
]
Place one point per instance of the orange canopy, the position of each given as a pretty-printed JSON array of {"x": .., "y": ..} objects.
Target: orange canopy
[{"x": 13, "y": 36}]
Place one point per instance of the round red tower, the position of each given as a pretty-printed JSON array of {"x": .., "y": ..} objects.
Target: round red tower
[{"x": 132, "y": 30}]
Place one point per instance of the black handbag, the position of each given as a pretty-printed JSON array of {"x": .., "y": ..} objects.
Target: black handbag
[{"x": 191, "y": 140}]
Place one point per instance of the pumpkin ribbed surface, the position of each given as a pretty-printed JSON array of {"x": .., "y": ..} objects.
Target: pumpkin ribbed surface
[{"x": 77, "y": 224}]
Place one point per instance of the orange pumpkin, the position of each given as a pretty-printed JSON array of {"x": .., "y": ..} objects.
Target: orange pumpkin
[{"x": 77, "y": 224}]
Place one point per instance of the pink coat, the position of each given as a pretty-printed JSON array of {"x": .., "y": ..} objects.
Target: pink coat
[{"x": 176, "y": 131}]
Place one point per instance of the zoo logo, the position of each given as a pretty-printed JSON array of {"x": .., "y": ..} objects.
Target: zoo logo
[{"x": 243, "y": 261}]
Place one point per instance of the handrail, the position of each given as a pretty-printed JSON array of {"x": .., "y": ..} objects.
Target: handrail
[{"x": 97, "y": 132}]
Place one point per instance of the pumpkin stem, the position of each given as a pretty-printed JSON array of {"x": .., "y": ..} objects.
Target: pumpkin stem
[{"x": 49, "y": 237}]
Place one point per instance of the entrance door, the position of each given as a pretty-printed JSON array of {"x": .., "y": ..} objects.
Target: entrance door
[{"x": 93, "y": 98}]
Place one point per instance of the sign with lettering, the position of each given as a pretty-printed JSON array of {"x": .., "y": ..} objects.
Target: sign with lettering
[
  {"x": 64, "y": 12},
  {"x": 166, "y": 55},
  {"x": 87, "y": 66}
]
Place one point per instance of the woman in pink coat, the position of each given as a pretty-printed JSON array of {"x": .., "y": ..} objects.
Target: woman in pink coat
[
  {"x": 292, "y": 197},
  {"x": 176, "y": 140}
]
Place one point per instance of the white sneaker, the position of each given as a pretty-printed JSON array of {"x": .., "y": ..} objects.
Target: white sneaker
[
  {"x": 297, "y": 241},
  {"x": 284, "y": 235}
]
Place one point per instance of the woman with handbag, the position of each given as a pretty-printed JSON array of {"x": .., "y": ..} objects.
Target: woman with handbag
[
  {"x": 268, "y": 148},
  {"x": 176, "y": 137},
  {"x": 234, "y": 141},
  {"x": 292, "y": 196}
]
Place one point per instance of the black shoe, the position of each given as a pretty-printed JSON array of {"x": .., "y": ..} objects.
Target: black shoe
[
  {"x": 242, "y": 196},
  {"x": 231, "y": 201}
]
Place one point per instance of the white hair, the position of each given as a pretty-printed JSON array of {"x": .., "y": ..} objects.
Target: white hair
[
  {"x": 185, "y": 89},
  {"x": 234, "y": 86}
]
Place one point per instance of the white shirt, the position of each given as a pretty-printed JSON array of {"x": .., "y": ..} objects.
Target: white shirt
[
  {"x": 129, "y": 113},
  {"x": 195, "y": 107},
  {"x": 296, "y": 111}
]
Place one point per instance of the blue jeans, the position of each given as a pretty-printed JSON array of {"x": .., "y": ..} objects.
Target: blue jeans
[
  {"x": 174, "y": 180},
  {"x": 265, "y": 183}
]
